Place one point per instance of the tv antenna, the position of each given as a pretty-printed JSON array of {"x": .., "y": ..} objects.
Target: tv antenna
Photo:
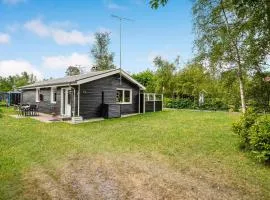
[{"x": 120, "y": 32}]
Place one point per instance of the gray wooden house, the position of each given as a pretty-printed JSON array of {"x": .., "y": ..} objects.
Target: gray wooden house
[{"x": 110, "y": 93}]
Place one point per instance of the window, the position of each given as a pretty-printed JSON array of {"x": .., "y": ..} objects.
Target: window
[
  {"x": 37, "y": 94},
  {"x": 127, "y": 96},
  {"x": 53, "y": 95},
  {"x": 124, "y": 96},
  {"x": 119, "y": 96}
]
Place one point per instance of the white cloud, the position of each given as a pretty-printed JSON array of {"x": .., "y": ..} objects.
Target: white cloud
[
  {"x": 13, "y": 2},
  {"x": 4, "y": 38},
  {"x": 73, "y": 37},
  {"x": 36, "y": 26},
  {"x": 63, "y": 24},
  {"x": 59, "y": 35},
  {"x": 13, "y": 67},
  {"x": 62, "y": 62}
]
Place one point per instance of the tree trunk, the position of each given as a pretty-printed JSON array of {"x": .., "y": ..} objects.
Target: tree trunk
[
  {"x": 242, "y": 92},
  {"x": 238, "y": 61}
]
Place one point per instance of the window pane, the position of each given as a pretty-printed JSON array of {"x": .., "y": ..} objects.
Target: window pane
[
  {"x": 41, "y": 97},
  {"x": 119, "y": 96},
  {"x": 151, "y": 97},
  {"x": 127, "y": 96},
  {"x": 146, "y": 97},
  {"x": 53, "y": 93},
  {"x": 54, "y": 97},
  {"x": 69, "y": 97},
  {"x": 158, "y": 97}
]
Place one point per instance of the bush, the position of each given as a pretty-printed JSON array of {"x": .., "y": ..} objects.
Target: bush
[
  {"x": 186, "y": 103},
  {"x": 254, "y": 131},
  {"x": 243, "y": 126},
  {"x": 260, "y": 139},
  {"x": 179, "y": 103}
]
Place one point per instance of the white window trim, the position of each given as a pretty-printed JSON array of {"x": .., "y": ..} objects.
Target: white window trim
[
  {"x": 37, "y": 95},
  {"x": 52, "y": 93},
  {"x": 123, "y": 96}
]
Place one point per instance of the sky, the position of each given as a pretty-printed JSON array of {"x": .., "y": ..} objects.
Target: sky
[{"x": 44, "y": 37}]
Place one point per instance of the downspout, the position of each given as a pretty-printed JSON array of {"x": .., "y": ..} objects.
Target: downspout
[
  {"x": 139, "y": 100},
  {"x": 154, "y": 102},
  {"x": 143, "y": 102},
  {"x": 79, "y": 93}
]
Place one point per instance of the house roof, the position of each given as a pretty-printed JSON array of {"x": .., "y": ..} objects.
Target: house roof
[{"x": 82, "y": 78}]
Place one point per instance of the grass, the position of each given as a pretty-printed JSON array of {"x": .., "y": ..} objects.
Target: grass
[{"x": 198, "y": 144}]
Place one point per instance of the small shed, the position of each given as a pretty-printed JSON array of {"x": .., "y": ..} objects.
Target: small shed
[
  {"x": 11, "y": 97},
  {"x": 202, "y": 95}
]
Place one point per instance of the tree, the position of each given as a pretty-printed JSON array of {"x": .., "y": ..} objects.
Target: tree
[
  {"x": 71, "y": 71},
  {"x": 147, "y": 79},
  {"x": 258, "y": 91},
  {"x": 193, "y": 79},
  {"x": 156, "y": 3},
  {"x": 100, "y": 52},
  {"x": 165, "y": 76},
  {"x": 227, "y": 40},
  {"x": 232, "y": 34},
  {"x": 13, "y": 82}
]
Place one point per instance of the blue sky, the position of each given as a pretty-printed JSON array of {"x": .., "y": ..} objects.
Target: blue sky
[{"x": 45, "y": 36}]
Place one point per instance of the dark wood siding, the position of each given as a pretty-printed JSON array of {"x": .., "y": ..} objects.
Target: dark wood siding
[
  {"x": 142, "y": 103},
  {"x": 158, "y": 105},
  {"x": 45, "y": 106},
  {"x": 91, "y": 96},
  {"x": 149, "y": 106}
]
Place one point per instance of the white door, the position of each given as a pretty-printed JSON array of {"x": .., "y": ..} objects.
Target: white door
[
  {"x": 66, "y": 96},
  {"x": 68, "y": 102}
]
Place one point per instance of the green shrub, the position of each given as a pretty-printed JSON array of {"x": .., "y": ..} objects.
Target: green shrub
[
  {"x": 242, "y": 127},
  {"x": 254, "y": 132},
  {"x": 178, "y": 103},
  {"x": 260, "y": 139},
  {"x": 186, "y": 103}
]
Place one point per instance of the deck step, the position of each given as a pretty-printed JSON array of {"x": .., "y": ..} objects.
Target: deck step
[
  {"x": 65, "y": 118},
  {"x": 76, "y": 119}
]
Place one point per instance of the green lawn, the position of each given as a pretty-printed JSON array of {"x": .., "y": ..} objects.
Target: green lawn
[{"x": 197, "y": 146}]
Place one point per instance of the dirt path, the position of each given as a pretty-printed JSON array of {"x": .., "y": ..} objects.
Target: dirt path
[{"x": 122, "y": 177}]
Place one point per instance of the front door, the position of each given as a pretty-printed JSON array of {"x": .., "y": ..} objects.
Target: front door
[{"x": 66, "y": 96}]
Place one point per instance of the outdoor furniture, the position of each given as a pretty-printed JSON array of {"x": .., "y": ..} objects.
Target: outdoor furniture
[
  {"x": 25, "y": 109},
  {"x": 18, "y": 109},
  {"x": 33, "y": 110}
]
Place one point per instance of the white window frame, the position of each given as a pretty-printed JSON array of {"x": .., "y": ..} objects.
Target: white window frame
[
  {"x": 52, "y": 94},
  {"x": 37, "y": 95},
  {"x": 123, "y": 96}
]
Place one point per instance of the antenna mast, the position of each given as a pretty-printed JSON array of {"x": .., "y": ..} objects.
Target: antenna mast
[{"x": 120, "y": 30}]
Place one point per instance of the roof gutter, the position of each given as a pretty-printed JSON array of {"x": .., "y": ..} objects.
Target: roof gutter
[{"x": 47, "y": 86}]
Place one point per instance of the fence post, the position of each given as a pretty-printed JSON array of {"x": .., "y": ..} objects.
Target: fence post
[
  {"x": 143, "y": 102},
  {"x": 154, "y": 102},
  {"x": 162, "y": 102}
]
